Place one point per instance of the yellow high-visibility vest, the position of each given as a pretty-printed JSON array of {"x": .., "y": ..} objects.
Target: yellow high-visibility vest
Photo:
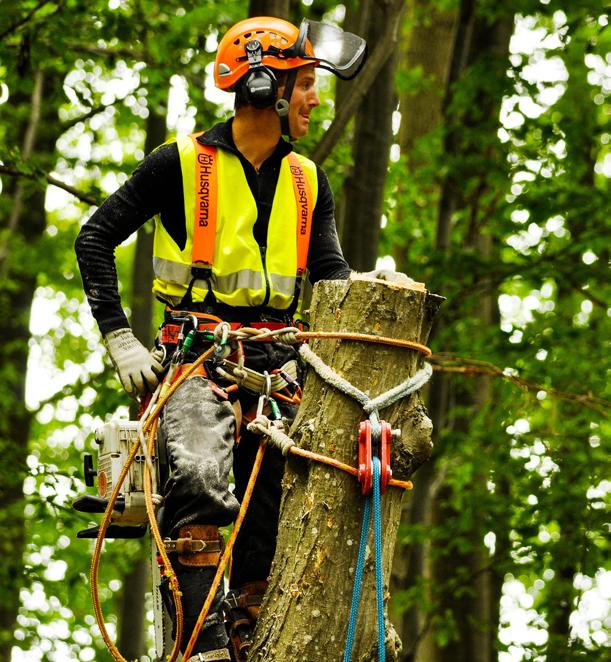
[{"x": 219, "y": 205}]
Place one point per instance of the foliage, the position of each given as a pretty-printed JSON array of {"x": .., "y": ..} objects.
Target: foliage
[
  {"x": 536, "y": 191},
  {"x": 524, "y": 472}
]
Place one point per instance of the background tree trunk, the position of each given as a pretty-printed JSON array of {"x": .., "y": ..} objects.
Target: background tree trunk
[
  {"x": 363, "y": 197},
  {"x": 471, "y": 601},
  {"x": 305, "y": 612},
  {"x": 278, "y": 8},
  {"x": 27, "y": 220},
  {"x": 131, "y": 641}
]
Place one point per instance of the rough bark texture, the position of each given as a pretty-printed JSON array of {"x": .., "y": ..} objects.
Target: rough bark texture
[
  {"x": 305, "y": 612},
  {"x": 427, "y": 46}
]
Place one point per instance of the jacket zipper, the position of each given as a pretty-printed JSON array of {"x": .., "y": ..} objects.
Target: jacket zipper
[{"x": 263, "y": 250}]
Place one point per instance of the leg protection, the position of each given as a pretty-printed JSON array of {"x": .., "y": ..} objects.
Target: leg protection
[
  {"x": 198, "y": 546},
  {"x": 199, "y": 549},
  {"x": 241, "y": 607}
]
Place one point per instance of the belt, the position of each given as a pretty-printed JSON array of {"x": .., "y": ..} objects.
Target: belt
[{"x": 169, "y": 332}]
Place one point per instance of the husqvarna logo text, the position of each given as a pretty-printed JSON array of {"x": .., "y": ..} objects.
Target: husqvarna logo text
[
  {"x": 203, "y": 189},
  {"x": 302, "y": 198}
]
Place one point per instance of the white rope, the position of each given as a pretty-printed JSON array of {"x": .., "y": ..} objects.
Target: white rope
[
  {"x": 330, "y": 376},
  {"x": 262, "y": 425},
  {"x": 405, "y": 388},
  {"x": 409, "y": 386}
]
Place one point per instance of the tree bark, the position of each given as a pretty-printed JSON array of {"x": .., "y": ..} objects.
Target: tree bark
[
  {"x": 420, "y": 114},
  {"x": 475, "y": 613},
  {"x": 305, "y": 612}
]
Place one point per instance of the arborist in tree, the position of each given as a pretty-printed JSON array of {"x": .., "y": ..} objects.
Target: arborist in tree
[{"x": 239, "y": 216}]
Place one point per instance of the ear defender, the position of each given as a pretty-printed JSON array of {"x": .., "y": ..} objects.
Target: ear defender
[{"x": 259, "y": 86}]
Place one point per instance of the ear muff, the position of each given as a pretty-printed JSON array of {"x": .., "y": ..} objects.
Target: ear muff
[{"x": 260, "y": 87}]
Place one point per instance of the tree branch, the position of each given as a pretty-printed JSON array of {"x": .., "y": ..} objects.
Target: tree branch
[
  {"x": 24, "y": 20},
  {"x": 445, "y": 362},
  {"x": 83, "y": 197},
  {"x": 372, "y": 68},
  {"x": 111, "y": 52}
]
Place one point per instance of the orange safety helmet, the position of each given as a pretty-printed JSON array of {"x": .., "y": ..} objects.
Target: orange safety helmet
[{"x": 275, "y": 35}]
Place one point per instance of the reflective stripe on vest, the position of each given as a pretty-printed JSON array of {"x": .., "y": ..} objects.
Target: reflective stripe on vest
[{"x": 239, "y": 277}]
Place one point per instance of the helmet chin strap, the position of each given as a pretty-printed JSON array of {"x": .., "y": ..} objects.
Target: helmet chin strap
[{"x": 282, "y": 105}]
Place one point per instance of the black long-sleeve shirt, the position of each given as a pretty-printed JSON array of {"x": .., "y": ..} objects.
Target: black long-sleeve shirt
[{"x": 156, "y": 188}]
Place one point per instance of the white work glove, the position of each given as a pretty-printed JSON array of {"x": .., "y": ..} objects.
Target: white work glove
[
  {"x": 390, "y": 275},
  {"x": 138, "y": 369}
]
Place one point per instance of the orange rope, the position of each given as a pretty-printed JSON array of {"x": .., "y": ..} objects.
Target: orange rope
[
  {"x": 168, "y": 571},
  {"x": 165, "y": 393},
  {"x": 324, "y": 459},
  {"x": 228, "y": 548},
  {"x": 366, "y": 337},
  {"x": 150, "y": 426}
]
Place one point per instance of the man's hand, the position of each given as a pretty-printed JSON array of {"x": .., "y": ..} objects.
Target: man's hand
[
  {"x": 138, "y": 369},
  {"x": 390, "y": 275}
]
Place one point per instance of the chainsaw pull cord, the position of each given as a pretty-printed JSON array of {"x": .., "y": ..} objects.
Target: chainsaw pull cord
[{"x": 360, "y": 564}]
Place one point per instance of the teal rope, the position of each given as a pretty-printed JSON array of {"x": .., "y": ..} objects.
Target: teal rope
[
  {"x": 377, "y": 538},
  {"x": 360, "y": 563},
  {"x": 358, "y": 577}
]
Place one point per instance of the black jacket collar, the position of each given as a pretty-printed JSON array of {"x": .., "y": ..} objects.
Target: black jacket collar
[{"x": 220, "y": 136}]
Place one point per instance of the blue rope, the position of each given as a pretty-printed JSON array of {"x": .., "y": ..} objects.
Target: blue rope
[
  {"x": 377, "y": 537},
  {"x": 360, "y": 563},
  {"x": 358, "y": 577}
]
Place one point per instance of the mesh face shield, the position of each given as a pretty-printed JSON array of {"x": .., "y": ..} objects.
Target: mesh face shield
[{"x": 341, "y": 53}]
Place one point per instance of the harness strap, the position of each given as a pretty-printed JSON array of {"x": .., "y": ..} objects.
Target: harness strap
[
  {"x": 206, "y": 199},
  {"x": 303, "y": 198},
  {"x": 198, "y": 545},
  {"x": 169, "y": 332},
  {"x": 206, "y": 206}
]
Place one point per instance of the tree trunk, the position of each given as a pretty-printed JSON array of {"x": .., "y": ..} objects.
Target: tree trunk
[
  {"x": 131, "y": 640},
  {"x": 428, "y": 46},
  {"x": 278, "y": 8},
  {"x": 27, "y": 223},
  {"x": 420, "y": 114},
  {"x": 475, "y": 613},
  {"x": 361, "y": 212},
  {"x": 422, "y": 108},
  {"x": 305, "y": 611}
]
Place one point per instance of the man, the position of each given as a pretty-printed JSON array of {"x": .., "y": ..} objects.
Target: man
[{"x": 232, "y": 206}]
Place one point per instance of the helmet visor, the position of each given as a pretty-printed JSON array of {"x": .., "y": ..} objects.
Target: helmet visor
[{"x": 342, "y": 53}]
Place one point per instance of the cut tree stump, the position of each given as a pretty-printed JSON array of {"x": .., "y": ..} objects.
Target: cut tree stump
[{"x": 305, "y": 612}]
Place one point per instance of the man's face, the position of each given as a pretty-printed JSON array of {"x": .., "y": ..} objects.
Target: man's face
[{"x": 303, "y": 100}]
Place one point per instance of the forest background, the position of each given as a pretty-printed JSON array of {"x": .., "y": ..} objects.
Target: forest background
[{"x": 472, "y": 153}]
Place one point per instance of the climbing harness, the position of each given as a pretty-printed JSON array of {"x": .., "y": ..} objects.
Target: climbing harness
[{"x": 374, "y": 472}]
